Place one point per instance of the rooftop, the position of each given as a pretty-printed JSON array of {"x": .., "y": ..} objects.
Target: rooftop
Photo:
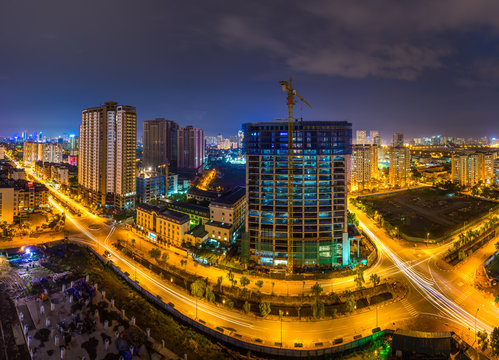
[{"x": 231, "y": 197}]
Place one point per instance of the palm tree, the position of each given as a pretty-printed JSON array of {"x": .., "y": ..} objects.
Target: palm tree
[{"x": 375, "y": 279}]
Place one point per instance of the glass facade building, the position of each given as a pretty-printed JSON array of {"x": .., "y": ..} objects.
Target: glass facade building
[{"x": 297, "y": 197}]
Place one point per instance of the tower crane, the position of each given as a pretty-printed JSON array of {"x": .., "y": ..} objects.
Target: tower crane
[{"x": 288, "y": 86}]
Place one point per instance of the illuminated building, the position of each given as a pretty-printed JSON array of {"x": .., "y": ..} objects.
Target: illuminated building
[
  {"x": 106, "y": 155},
  {"x": 7, "y": 204},
  {"x": 46, "y": 152},
  {"x": 2, "y": 152},
  {"x": 162, "y": 226},
  {"x": 190, "y": 148},
  {"x": 160, "y": 144},
  {"x": 361, "y": 137},
  {"x": 496, "y": 172},
  {"x": 150, "y": 188},
  {"x": 468, "y": 168},
  {"x": 398, "y": 140},
  {"x": 307, "y": 186},
  {"x": 372, "y": 135},
  {"x": 227, "y": 215},
  {"x": 400, "y": 161},
  {"x": 364, "y": 166}
]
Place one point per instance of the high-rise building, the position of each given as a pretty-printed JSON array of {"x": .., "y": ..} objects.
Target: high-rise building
[
  {"x": 467, "y": 168},
  {"x": 496, "y": 172},
  {"x": 46, "y": 152},
  {"x": 240, "y": 139},
  {"x": 364, "y": 166},
  {"x": 372, "y": 135},
  {"x": 106, "y": 155},
  {"x": 488, "y": 166},
  {"x": 151, "y": 188},
  {"x": 400, "y": 161},
  {"x": 297, "y": 201},
  {"x": 191, "y": 148},
  {"x": 398, "y": 140},
  {"x": 160, "y": 144},
  {"x": 361, "y": 137},
  {"x": 377, "y": 141}
]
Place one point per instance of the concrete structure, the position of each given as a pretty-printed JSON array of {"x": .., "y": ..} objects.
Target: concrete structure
[
  {"x": 467, "y": 169},
  {"x": 361, "y": 137},
  {"x": 53, "y": 172},
  {"x": 2, "y": 153},
  {"x": 202, "y": 195},
  {"x": 373, "y": 134},
  {"x": 496, "y": 172},
  {"x": 106, "y": 155},
  {"x": 150, "y": 188},
  {"x": 308, "y": 187},
  {"x": 19, "y": 197},
  {"x": 198, "y": 214},
  {"x": 364, "y": 166},
  {"x": 488, "y": 167},
  {"x": 7, "y": 204},
  {"x": 73, "y": 160},
  {"x": 17, "y": 174},
  {"x": 162, "y": 226},
  {"x": 160, "y": 144},
  {"x": 398, "y": 140},
  {"x": 400, "y": 162},
  {"x": 227, "y": 215},
  {"x": 46, "y": 152},
  {"x": 190, "y": 149},
  {"x": 172, "y": 184}
]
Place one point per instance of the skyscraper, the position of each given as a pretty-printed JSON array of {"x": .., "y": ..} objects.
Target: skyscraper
[
  {"x": 46, "y": 152},
  {"x": 398, "y": 139},
  {"x": 160, "y": 143},
  {"x": 297, "y": 207},
  {"x": 400, "y": 161},
  {"x": 361, "y": 137},
  {"x": 190, "y": 148},
  {"x": 373, "y": 134},
  {"x": 364, "y": 166},
  {"x": 106, "y": 155}
]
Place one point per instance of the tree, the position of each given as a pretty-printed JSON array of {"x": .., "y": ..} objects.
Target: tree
[
  {"x": 210, "y": 295},
  {"x": 273, "y": 283},
  {"x": 244, "y": 281},
  {"x": 316, "y": 289},
  {"x": 264, "y": 309},
  {"x": 229, "y": 303},
  {"x": 359, "y": 278},
  {"x": 230, "y": 276},
  {"x": 198, "y": 288},
  {"x": 259, "y": 284},
  {"x": 318, "y": 309},
  {"x": 165, "y": 257},
  {"x": 352, "y": 219},
  {"x": 375, "y": 279},
  {"x": 494, "y": 341},
  {"x": 220, "y": 279},
  {"x": 183, "y": 262},
  {"x": 483, "y": 340},
  {"x": 155, "y": 253},
  {"x": 350, "y": 304},
  {"x": 247, "y": 307}
]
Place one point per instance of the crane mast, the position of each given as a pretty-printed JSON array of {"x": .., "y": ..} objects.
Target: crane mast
[{"x": 288, "y": 86}]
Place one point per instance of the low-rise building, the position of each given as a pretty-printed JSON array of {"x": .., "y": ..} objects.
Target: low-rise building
[
  {"x": 197, "y": 213},
  {"x": 59, "y": 173},
  {"x": 20, "y": 197},
  {"x": 172, "y": 184},
  {"x": 196, "y": 235},
  {"x": 17, "y": 174},
  {"x": 227, "y": 215},
  {"x": 162, "y": 226},
  {"x": 202, "y": 195},
  {"x": 150, "y": 188}
]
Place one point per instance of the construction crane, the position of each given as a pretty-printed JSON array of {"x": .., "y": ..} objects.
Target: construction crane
[{"x": 288, "y": 86}]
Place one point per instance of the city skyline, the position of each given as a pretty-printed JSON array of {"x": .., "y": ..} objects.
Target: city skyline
[{"x": 398, "y": 70}]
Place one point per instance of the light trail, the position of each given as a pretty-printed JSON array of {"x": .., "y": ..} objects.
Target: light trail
[
  {"x": 427, "y": 289},
  {"x": 210, "y": 310}
]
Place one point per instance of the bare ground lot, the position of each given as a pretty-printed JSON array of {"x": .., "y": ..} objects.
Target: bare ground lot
[{"x": 418, "y": 212}]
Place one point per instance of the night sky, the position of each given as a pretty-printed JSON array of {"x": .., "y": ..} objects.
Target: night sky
[{"x": 419, "y": 67}]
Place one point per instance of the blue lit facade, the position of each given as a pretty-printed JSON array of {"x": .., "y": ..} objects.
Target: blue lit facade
[
  {"x": 318, "y": 193},
  {"x": 150, "y": 188}
]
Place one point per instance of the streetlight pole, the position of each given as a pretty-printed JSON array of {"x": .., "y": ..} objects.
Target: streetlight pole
[
  {"x": 281, "y": 313},
  {"x": 376, "y": 315}
]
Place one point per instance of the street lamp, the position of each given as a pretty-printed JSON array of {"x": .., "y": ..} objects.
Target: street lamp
[
  {"x": 281, "y": 313},
  {"x": 475, "y": 325}
]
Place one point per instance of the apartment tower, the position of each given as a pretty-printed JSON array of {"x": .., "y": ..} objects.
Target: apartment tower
[
  {"x": 106, "y": 155},
  {"x": 160, "y": 144},
  {"x": 191, "y": 148}
]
